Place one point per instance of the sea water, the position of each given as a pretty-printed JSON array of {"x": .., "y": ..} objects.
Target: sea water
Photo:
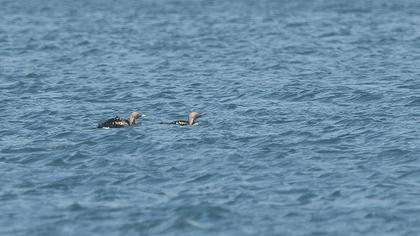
[{"x": 310, "y": 126}]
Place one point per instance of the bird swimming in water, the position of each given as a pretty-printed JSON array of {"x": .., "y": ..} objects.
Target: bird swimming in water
[
  {"x": 192, "y": 119},
  {"x": 118, "y": 122}
]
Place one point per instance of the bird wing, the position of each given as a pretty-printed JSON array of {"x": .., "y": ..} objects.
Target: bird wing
[
  {"x": 177, "y": 122},
  {"x": 116, "y": 122}
]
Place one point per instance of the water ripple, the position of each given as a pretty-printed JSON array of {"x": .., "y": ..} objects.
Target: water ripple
[{"x": 309, "y": 126}]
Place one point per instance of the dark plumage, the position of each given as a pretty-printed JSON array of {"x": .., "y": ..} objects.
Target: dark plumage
[
  {"x": 118, "y": 122},
  {"x": 192, "y": 119},
  {"x": 177, "y": 122}
]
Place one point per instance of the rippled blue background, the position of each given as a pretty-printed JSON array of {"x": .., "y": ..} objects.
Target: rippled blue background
[{"x": 310, "y": 127}]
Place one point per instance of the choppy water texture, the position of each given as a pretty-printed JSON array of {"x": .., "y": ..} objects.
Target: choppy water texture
[{"x": 311, "y": 122}]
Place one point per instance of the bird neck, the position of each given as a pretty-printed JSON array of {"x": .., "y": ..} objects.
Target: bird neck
[{"x": 132, "y": 120}]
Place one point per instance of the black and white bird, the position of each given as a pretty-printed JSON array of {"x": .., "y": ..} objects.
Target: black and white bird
[
  {"x": 192, "y": 119},
  {"x": 118, "y": 122}
]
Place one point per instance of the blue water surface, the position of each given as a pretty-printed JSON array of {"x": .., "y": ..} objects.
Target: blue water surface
[{"x": 310, "y": 127}]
